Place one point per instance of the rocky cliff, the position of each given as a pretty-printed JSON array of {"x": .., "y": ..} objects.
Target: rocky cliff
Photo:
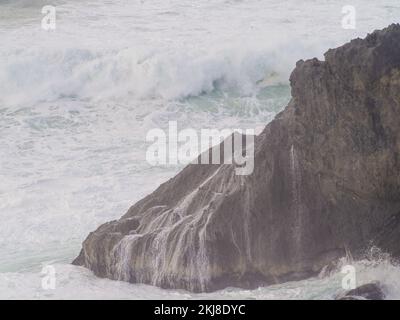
[{"x": 326, "y": 180}]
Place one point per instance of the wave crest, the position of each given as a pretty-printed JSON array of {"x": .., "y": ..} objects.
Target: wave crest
[{"x": 33, "y": 75}]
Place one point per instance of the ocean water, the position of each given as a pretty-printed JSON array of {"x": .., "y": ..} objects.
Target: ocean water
[{"x": 77, "y": 102}]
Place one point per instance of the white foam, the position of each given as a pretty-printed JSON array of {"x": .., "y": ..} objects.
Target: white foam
[{"x": 144, "y": 50}]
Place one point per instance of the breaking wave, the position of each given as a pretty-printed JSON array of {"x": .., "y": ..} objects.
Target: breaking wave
[{"x": 31, "y": 76}]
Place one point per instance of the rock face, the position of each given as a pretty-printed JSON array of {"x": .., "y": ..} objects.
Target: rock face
[{"x": 326, "y": 180}]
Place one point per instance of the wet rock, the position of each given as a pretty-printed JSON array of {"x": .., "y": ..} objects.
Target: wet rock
[
  {"x": 369, "y": 291},
  {"x": 326, "y": 181}
]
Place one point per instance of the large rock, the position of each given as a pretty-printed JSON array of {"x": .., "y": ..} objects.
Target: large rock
[{"x": 326, "y": 181}]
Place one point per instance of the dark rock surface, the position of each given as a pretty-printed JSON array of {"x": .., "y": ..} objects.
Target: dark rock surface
[
  {"x": 369, "y": 291},
  {"x": 326, "y": 181}
]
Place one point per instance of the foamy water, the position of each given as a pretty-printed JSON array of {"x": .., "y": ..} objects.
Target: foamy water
[{"x": 76, "y": 104}]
